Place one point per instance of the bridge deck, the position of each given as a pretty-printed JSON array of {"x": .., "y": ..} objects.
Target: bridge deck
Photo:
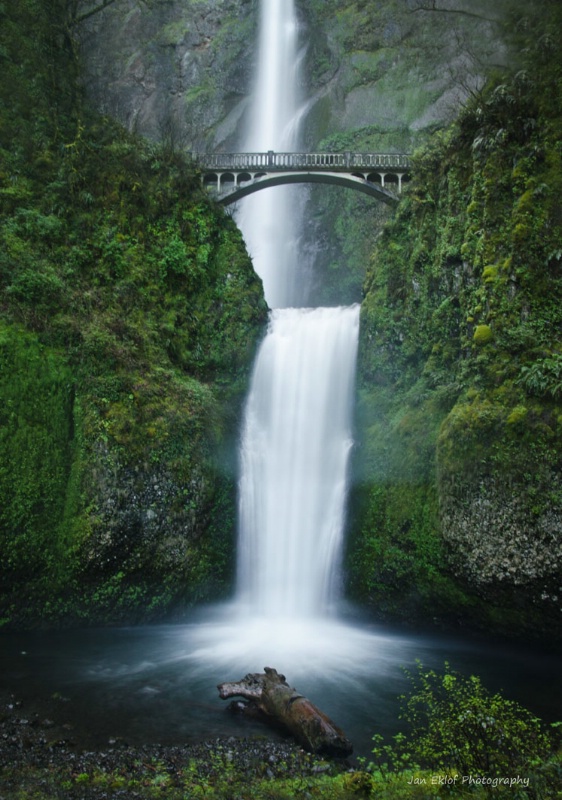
[{"x": 271, "y": 161}]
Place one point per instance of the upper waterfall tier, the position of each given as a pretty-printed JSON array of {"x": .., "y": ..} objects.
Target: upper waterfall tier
[{"x": 271, "y": 223}]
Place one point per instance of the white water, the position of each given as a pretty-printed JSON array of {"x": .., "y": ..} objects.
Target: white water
[
  {"x": 271, "y": 219},
  {"x": 295, "y": 447},
  {"x": 296, "y": 438},
  {"x": 297, "y": 431}
]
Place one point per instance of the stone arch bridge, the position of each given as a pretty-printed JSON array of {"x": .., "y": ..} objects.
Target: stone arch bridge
[{"x": 235, "y": 175}]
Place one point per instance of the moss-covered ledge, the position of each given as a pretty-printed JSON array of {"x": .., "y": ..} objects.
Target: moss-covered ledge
[
  {"x": 129, "y": 318},
  {"x": 459, "y": 514}
]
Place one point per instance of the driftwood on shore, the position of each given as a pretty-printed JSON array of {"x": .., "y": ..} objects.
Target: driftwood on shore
[{"x": 269, "y": 695}]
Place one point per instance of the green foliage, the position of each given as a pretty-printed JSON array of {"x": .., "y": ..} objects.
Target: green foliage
[
  {"x": 210, "y": 772},
  {"x": 130, "y": 313},
  {"x": 36, "y": 422},
  {"x": 390, "y": 760},
  {"x": 395, "y": 559},
  {"x": 459, "y": 350},
  {"x": 543, "y": 378},
  {"x": 461, "y": 738},
  {"x": 38, "y": 96},
  {"x": 456, "y": 724}
]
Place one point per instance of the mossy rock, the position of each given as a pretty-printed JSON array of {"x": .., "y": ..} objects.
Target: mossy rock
[{"x": 483, "y": 334}]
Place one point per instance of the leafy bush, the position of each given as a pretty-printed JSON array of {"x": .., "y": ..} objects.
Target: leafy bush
[
  {"x": 456, "y": 726},
  {"x": 544, "y": 377}
]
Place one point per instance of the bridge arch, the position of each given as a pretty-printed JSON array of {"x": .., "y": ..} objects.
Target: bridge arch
[{"x": 358, "y": 183}]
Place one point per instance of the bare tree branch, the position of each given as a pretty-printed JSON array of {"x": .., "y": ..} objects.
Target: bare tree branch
[
  {"x": 431, "y": 5},
  {"x": 87, "y": 14}
]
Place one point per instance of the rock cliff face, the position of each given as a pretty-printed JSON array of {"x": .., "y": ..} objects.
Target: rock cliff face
[
  {"x": 459, "y": 507},
  {"x": 383, "y": 78},
  {"x": 456, "y": 511},
  {"x": 178, "y": 72},
  {"x": 379, "y": 77},
  {"x": 183, "y": 69},
  {"x": 129, "y": 318},
  {"x": 123, "y": 401},
  {"x": 395, "y": 67}
]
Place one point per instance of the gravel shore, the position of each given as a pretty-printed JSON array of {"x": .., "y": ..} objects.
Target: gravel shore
[{"x": 42, "y": 756}]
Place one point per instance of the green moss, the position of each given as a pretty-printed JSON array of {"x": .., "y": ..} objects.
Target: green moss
[
  {"x": 395, "y": 561},
  {"x": 518, "y": 415},
  {"x": 36, "y": 446},
  {"x": 130, "y": 313},
  {"x": 490, "y": 273},
  {"x": 470, "y": 259},
  {"x": 482, "y": 335}
]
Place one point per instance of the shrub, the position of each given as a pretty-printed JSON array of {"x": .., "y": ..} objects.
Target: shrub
[
  {"x": 459, "y": 731},
  {"x": 543, "y": 377},
  {"x": 457, "y": 724}
]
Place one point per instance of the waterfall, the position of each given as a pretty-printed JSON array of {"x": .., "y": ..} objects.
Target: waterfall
[
  {"x": 295, "y": 445},
  {"x": 296, "y": 437},
  {"x": 271, "y": 219}
]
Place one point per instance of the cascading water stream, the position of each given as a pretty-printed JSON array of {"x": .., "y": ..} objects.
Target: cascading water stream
[
  {"x": 297, "y": 433},
  {"x": 270, "y": 220},
  {"x": 296, "y": 437},
  {"x": 295, "y": 447}
]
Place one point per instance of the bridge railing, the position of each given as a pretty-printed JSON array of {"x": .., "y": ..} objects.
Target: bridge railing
[{"x": 272, "y": 161}]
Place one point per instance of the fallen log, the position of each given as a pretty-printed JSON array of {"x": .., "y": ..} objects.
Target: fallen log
[{"x": 270, "y": 695}]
